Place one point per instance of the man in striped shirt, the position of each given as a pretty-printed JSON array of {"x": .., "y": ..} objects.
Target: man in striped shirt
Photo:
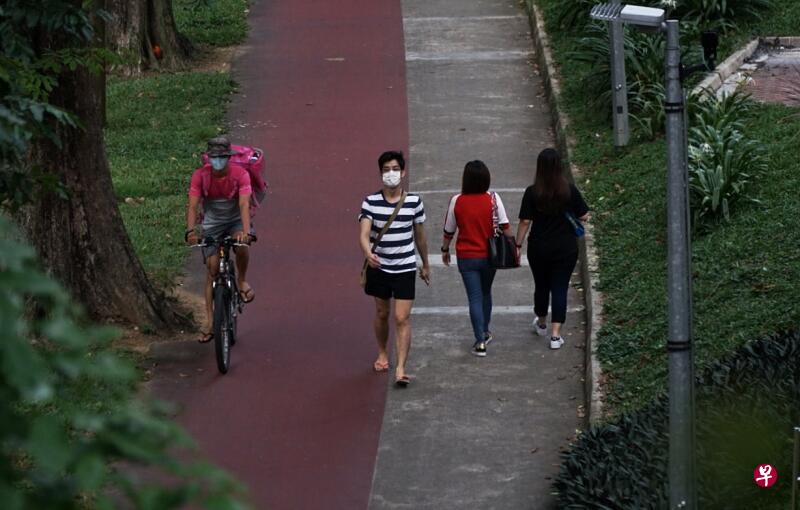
[{"x": 392, "y": 262}]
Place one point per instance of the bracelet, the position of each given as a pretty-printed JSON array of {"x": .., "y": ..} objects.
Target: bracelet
[
  {"x": 186, "y": 234},
  {"x": 445, "y": 250}
]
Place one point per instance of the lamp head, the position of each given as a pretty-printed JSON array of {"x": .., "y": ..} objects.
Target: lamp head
[{"x": 644, "y": 17}]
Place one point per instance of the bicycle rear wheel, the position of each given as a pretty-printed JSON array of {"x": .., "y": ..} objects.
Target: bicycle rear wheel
[{"x": 222, "y": 328}]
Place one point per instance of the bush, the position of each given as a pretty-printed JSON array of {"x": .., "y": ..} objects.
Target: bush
[
  {"x": 719, "y": 14},
  {"x": 722, "y": 159},
  {"x": 746, "y": 409},
  {"x": 72, "y": 434},
  {"x": 644, "y": 69}
]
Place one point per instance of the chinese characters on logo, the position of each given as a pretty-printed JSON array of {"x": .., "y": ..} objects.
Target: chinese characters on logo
[{"x": 765, "y": 476}]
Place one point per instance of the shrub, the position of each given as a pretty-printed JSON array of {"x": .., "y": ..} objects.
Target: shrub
[
  {"x": 72, "y": 433},
  {"x": 644, "y": 68},
  {"x": 746, "y": 409},
  {"x": 574, "y": 14},
  {"x": 722, "y": 160},
  {"x": 720, "y": 14}
]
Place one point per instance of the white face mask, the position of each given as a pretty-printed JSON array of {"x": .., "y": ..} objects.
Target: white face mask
[
  {"x": 218, "y": 164},
  {"x": 391, "y": 178}
]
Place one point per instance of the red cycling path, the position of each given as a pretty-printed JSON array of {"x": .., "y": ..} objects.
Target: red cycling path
[{"x": 298, "y": 417}]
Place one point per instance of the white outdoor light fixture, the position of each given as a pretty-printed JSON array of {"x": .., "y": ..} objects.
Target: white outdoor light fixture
[
  {"x": 630, "y": 14},
  {"x": 642, "y": 16},
  {"x": 617, "y": 14}
]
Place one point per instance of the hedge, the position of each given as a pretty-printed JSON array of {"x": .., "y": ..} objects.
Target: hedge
[{"x": 746, "y": 408}]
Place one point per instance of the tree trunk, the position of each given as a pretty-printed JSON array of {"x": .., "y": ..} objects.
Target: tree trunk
[
  {"x": 143, "y": 32},
  {"x": 81, "y": 240}
]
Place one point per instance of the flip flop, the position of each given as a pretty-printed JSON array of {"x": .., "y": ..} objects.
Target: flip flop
[
  {"x": 207, "y": 337},
  {"x": 402, "y": 382},
  {"x": 380, "y": 366},
  {"x": 247, "y": 295}
]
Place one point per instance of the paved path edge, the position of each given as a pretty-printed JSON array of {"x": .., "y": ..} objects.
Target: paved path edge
[
  {"x": 716, "y": 78},
  {"x": 593, "y": 298}
]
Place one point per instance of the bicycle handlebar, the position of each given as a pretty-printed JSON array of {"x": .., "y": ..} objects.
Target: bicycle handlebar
[{"x": 227, "y": 240}]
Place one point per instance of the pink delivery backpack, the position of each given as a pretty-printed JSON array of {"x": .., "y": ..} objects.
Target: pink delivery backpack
[{"x": 252, "y": 160}]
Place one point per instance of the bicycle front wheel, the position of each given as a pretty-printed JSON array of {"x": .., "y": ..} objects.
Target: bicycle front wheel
[{"x": 222, "y": 328}]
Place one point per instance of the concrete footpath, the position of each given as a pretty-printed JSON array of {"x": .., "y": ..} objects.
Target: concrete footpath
[{"x": 476, "y": 432}]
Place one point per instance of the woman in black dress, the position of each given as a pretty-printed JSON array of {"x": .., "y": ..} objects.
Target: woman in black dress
[{"x": 552, "y": 245}]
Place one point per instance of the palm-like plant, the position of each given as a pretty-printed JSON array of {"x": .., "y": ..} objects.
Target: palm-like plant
[
  {"x": 722, "y": 160},
  {"x": 722, "y": 14}
]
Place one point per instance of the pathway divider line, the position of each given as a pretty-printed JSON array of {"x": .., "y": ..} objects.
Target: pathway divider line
[
  {"x": 460, "y": 19},
  {"x": 454, "y": 191},
  {"x": 468, "y": 56},
  {"x": 435, "y": 261},
  {"x": 496, "y": 310}
]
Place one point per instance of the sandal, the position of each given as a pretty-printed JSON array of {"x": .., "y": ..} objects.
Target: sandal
[
  {"x": 402, "y": 382},
  {"x": 207, "y": 337},
  {"x": 247, "y": 294},
  {"x": 381, "y": 366}
]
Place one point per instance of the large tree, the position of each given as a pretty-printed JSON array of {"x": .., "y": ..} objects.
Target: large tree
[
  {"x": 76, "y": 227},
  {"x": 144, "y": 33}
]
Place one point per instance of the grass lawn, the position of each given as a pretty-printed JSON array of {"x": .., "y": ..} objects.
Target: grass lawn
[
  {"x": 212, "y": 22},
  {"x": 157, "y": 128},
  {"x": 745, "y": 271}
]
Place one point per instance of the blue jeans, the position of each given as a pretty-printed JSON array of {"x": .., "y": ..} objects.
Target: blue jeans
[{"x": 478, "y": 277}]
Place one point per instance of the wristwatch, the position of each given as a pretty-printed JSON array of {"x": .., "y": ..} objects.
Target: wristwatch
[{"x": 445, "y": 250}]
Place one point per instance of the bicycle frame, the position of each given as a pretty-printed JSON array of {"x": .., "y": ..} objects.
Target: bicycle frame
[
  {"x": 226, "y": 274},
  {"x": 228, "y": 302}
]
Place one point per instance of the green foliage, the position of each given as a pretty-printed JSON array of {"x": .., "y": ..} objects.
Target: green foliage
[
  {"x": 574, "y": 14},
  {"x": 644, "y": 68},
  {"x": 720, "y": 14},
  {"x": 28, "y": 76},
  {"x": 157, "y": 128},
  {"x": 746, "y": 408},
  {"x": 722, "y": 157},
  {"x": 744, "y": 269},
  {"x": 212, "y": 22},
  {"x": 72, "y": 433}
]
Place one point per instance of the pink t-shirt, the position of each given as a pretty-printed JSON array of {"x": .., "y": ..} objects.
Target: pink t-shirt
[{"x": 235, "y": 183}]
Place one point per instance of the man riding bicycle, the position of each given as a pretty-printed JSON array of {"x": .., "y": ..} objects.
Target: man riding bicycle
[{"x": 224, "y": 190}]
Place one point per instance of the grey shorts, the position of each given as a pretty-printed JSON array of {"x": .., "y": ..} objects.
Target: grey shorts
[{"x": 218, "y": 231}]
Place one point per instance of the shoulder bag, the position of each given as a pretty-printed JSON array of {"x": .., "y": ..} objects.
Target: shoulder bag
[
  {"x": 577, "y": 226},
  {"x": 380, "y": 236},
  {"x": 502, "y": 249}
]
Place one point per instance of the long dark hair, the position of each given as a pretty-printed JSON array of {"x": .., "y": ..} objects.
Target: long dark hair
[
  {"x": 476, "y": 177},
  {"x": 551, "y": 187}
]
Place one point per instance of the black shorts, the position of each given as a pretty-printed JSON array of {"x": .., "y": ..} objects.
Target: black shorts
[{"x": 384, "y": 285}]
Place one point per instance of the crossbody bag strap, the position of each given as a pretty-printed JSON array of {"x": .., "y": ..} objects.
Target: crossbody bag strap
[{"x": 389, "y": 221}]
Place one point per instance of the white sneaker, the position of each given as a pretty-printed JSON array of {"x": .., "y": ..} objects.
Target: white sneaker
[
  {"x": 556, "y": 342},
  {"x": 538, "y": 328}
]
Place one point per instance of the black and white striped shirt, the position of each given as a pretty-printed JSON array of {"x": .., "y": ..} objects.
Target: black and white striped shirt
[{"x": 396, "y": 249}]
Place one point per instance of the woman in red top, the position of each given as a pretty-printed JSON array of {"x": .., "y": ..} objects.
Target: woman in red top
[{"x": 474, "y": 213}]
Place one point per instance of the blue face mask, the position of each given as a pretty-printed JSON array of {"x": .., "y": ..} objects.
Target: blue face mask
[{"x": 219, "y": 163}]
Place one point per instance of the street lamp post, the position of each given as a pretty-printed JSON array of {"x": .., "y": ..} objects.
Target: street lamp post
[
  {"x": 619, "y": 85},
  {"x": 679, "y": 285},
  {"x": 679, "y": 345}
]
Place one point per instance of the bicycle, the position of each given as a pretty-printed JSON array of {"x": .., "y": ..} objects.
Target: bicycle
[{"x": 227, "y": 301}]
